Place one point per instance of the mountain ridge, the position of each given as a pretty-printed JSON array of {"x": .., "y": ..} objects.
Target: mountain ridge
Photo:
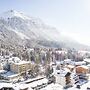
[{"x": 23, "y": 29}]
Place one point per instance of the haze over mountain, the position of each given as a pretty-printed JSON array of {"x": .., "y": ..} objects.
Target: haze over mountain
[{"x": 19, "y": 29}]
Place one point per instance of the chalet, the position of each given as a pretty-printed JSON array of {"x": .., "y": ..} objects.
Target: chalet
[{"x": 82, "y": 69}]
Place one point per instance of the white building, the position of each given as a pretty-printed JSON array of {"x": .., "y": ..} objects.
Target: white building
[{"x": 63, "y": 76}]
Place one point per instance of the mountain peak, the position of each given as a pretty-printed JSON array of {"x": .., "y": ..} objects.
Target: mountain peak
[{"x": 13, "y": 13}]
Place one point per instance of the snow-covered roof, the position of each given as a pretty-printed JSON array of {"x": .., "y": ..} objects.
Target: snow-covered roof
[
  {"x": 87, "y": 60},
  {"x": 83, "y": 66},
  {"x": 83, "y": 51},
  {"x": 30, "y": 49},
  {"x": 38, "y": 77},
  {"x": 23, "y": 86},
  {"x": 59, "y": 62},
  {"x": 14, "y": 59},
  {"x": 38, "y": 82},
  {"x": 70, "y": 66},
  {"x": 16, "y": 86},
  {"x": 3, "y": 71},
  {"x": 62, "y": 72},
  {"x": 88, "y": 65},
  {"x": 43, "y": 52},
  {"x": 5, "y": 85},
  {"x": 52, "y": 63},
  {"x": 80, "y": 63},
  {"x": 67, "y": 60},
  {"x": 53, "y": 87},
  {"x": 9, "y": 74},
  {"x": 61, "y": 52},
  {"x": 21, "y": 62}
]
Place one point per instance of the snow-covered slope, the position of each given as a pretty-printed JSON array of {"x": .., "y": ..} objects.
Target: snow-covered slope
[
  {"x": 21, "y": 35},
  {"x": 15, "y": 27},
  {"x": 27, "y": 27},
  {"x": 13, "y": 13}
]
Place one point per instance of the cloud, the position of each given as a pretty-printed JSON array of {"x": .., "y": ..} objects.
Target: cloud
[{"x": 81, "y": 38}]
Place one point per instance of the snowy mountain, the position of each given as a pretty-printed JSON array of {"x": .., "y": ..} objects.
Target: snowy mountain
[
  {"x": 17, "y": 26},
  {"x": 19, "y": 29},
  {"x": 31, "y": 27}
]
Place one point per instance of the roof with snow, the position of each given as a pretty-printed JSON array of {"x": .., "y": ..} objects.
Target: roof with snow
[
  {"x": 83, "y": 66},
  {"x": 87, "y": 60},
  {"x": 63, "y": 72},
  {"x": 21, "y": 62},
  {"x": 14, "y": 59},
  {"x": 17, "y": 61},
  {"x": 9, "y": 74},
  {"x": 16, "y": 86},
  {"x": 2, "y": 71},
  {"x": 80, "y": 63},
  {"x": 70, "y": 66},
  {"x": 61, "y": 52},
  {"x": 53, "y": 87}
]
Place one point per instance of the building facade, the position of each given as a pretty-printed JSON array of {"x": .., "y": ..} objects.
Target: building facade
[{"x": 20, "y": 67}]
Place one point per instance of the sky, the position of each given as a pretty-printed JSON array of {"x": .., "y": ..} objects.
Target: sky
[{"x": 70, "y": 17}]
